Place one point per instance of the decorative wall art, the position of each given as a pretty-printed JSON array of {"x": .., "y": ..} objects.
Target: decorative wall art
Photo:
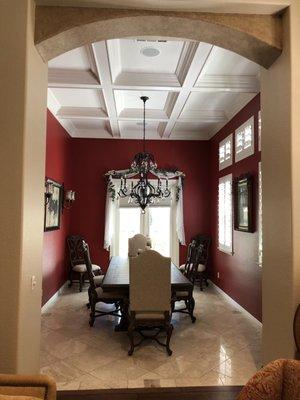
[
  {"x": 53, "y": 206},
  {"x": 243, "y": 203}
]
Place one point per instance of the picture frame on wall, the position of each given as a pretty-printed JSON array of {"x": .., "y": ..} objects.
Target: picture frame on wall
[
  {"x": 53, "y": 207},
  {"x": 243, "y": 203}
]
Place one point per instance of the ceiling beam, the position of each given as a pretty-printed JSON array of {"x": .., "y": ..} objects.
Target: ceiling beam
[
  {"x": 196, "y": 64},
  {"x": 103, "y": 69}
]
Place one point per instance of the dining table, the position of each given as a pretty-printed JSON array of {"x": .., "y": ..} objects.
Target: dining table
[{"x": 117, "y": 279}]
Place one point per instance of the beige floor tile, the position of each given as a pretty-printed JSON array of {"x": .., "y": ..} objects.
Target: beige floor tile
[
  {"x": 61, "y": 372},
  {"x": 222, "y": 347}
]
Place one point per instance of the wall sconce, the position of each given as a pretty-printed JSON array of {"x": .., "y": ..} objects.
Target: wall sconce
[
  {"x": 48, "y": 191},
  {"x": 69, "y": 198}
]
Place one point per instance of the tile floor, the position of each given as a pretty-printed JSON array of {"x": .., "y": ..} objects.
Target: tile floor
[{"x": 221, "y": 348}]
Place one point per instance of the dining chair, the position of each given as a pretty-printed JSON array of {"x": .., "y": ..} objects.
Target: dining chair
[
  {"x": 202, "y": 242},
  {"x": 189, "y": 271},
  {"x": 201, "y": 273},
  {"x": 97, "y": 295},
  {"x": 77, "y": 264},
  {"x": 150, "y": 299},
  {"x": 137, "y": 244}
]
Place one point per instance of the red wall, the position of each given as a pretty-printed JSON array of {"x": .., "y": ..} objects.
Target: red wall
[
  {"x": 58, "y": 167},
  {"x": 240, "y": 276},
  {"x": 93, "y": 157}
]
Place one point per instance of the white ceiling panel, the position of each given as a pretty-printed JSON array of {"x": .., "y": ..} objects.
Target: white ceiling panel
[
  {"x": 126, "y": 99},
  {"x": 193, "y": 130},
  {"x": 225, "y": 62},
  {"x": 198, "y": 101},
  {"x": 68, "y": 97},
  {"x": 128, "y": 55},
  {"x": 193, "y": 89},
  {"x": 134, "y": 129},
  {"x": 89, "y": 124},
  {"x": 75, "y": 59}
]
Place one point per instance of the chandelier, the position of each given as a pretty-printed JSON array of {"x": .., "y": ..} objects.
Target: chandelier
[{"x": 144, "y": 192}]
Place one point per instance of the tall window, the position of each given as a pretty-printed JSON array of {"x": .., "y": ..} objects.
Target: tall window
[
  {"x": 259, "y": 130},
  {"x": 155, "y": 223},
  {"x": 244, "y": 140},
  {"x": 225, "y": 213},
  {"x": 225, "y": 153}
]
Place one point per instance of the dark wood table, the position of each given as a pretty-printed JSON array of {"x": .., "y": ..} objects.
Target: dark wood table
[{"x": 117, "y": 279}]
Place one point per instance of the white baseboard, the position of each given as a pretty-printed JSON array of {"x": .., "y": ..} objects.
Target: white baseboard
[
  {"x": 237, "y": 305},
  {"x": 54, "y": 298}
]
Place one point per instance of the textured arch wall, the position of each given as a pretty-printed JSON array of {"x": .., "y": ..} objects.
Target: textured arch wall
[{"x": 60, "y": 29}]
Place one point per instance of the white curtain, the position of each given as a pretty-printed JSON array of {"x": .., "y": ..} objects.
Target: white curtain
[
  {"x": 179, "y": 214},
  {"x": 111, "y": 204},
  {"x": 109, "y": 217}
]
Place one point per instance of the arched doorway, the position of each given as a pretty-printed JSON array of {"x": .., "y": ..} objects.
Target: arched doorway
[{"x": 279, "y": 285}]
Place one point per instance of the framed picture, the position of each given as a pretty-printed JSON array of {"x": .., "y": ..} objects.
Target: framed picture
[
  {"x": 243, "y": 204},
  {"x": 53, "y": 207}
]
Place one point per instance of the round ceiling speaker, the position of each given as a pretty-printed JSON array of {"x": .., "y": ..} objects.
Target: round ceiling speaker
[{"x": 150, "y": 52}]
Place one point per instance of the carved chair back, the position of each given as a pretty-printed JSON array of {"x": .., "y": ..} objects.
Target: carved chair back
[
  {"x": 75, "y": 249},
  {"x": 204, "y": 241},
  {"x": 136, "y": 243},
  {"x": 150, "y": 282},
  {"x": 193, "y": 260},
  {"x": 88, "y": 264}
]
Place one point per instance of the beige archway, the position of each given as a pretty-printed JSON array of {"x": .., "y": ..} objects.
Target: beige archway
[
  {"x": 256, "y": 37},
  {"x": 22, "y": 144}
]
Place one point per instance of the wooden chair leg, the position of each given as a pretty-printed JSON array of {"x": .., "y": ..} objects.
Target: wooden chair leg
[
  {"x": 191, "y": 309},
  {"x": 92, "y": 313},
  {"x": 70, "y": 278},
  {"x": 131, "y": 338},
  {"x": 169, "y": 330},
  {"x": 81, "y": 280}
]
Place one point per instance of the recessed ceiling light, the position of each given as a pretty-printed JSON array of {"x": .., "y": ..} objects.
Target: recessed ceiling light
[{"x": 150, "y": 52}]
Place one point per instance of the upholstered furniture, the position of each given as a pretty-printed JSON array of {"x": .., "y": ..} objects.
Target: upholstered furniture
[
  {"x": 137, "y": 244},
  {"x": 296, "y": 329},
  {"x": 77, "y": 264},
  {"x": 27, "y": 387},
  {"x": 200, "y": 273},
  {"x": 97, "y": 295},
  {"x": 150, "y": 298},
  {"x": 279, "y": 380},
  {"x": 189, "y": 271}
]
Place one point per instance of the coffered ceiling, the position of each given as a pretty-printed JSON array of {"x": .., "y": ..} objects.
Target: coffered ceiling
[{"x": 194, "y": 88}]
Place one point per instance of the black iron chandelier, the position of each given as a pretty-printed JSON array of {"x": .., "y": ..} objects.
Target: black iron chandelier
[{"x": 143, "y": 192}]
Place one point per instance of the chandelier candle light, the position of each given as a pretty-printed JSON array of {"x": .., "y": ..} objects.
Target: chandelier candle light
[{"x": 143, "y": 192}]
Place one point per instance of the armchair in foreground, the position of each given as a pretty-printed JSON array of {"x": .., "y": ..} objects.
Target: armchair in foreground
[{"x": 29, "y": 387}]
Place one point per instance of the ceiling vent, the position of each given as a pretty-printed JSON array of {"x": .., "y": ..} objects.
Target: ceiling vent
[{"x": 150, "y": 52}]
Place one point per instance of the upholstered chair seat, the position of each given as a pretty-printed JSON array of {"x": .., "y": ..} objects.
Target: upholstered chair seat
[
  {"x": 27, "y": 387},
  {"x": 278, "y": 380},
  {"x": 149, "y": 315},
  {"x": 200, "y": 268},
  {"x": 82, "y": 268}
]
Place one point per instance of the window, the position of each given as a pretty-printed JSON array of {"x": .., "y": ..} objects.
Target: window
[
  {"x": 155, "y": 223},
  {"x": 225, "y": 213},
  {"x": 260, "y": 237},
  {"x": 225, "y": 153},
  {"x": 259, "y": 130},
  {"x": 129, "y": 225},
  {"x": 244, "y": 140},
  {"x": 158, "y": 222}
]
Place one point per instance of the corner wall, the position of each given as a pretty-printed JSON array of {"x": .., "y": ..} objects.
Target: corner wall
[
  {"x": 240, "y": 275},
  {"x": 58, "y": 168}
]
